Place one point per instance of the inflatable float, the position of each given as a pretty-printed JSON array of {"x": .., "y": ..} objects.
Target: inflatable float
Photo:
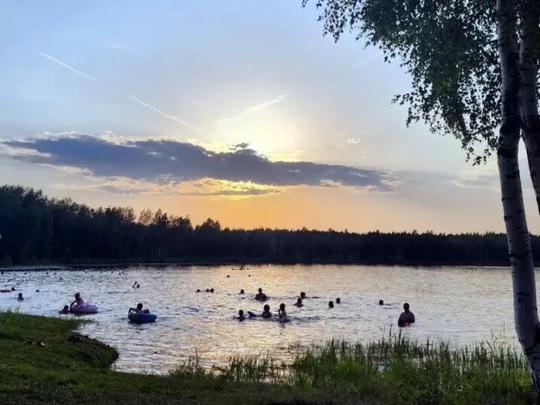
[
  {"x": 142, "y": 318},
  {"x": 86, "y": 308}
]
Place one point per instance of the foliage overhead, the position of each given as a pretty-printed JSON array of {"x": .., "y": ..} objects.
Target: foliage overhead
[{"x": 448, "y": 47}]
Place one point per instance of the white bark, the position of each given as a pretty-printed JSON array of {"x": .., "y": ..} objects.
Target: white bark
[
  {"x": 529, "y": 34},
  {"x": 523, "y": 277}
]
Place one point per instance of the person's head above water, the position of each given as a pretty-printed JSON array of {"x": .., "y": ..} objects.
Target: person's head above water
[
  {"x": 338, "y": 300},
  {"x": 302, "y": 294},
  {"x": 406, "y": 307},
  {"x": 260, "y": 290},
  {"x": 330, "y": 304},
  {"x": 242, "y": 291},
  {"x": 266, "y": 308},
  {"x": 381, "y": 302},
  {"x": 282, "y": 307},
  {"x": 139, "y": 306},
  {"x": 241, "y": 313}
]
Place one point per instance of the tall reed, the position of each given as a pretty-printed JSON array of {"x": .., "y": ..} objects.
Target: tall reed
[{"x": 393, "y": 369}]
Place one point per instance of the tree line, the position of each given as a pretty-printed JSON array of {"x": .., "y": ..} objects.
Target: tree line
[{"x": 35, "y": 229}]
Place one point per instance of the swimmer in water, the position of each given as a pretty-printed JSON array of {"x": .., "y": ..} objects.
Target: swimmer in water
[
  {"x": 138, "y": 310},
  {"x": 298, "y": 303},
  {"x": 281, "y": 312},
  {"x": 242, "y": 291},
  {"x": 406, "y": 317},
  {"x": 78, "y": 300},
  {"x": 381, "y": 302},
  {"x": 261, "y": 296},
  {"x": 64, "y": 310},
  {"x": 338, "y": 300},
  {"x": 302, "y": 295},
  {"x": 330, "y": 304},
  {"x": 20, "y": 297},
  {"x": 241, "y": 316},
  {"x": 266, "y": 312}
]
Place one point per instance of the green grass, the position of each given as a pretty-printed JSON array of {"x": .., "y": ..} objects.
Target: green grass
[{"x": 39, "y": 365}]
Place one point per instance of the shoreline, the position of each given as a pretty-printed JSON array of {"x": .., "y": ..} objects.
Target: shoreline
[
  {"x": 41, "y": 352},
  {"x": 90, "y": 265}
]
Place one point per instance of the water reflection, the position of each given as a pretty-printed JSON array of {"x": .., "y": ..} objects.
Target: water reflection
[{"x": 460, "y": 304}]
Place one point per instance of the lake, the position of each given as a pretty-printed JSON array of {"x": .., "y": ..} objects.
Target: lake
[{"x": 463, "y": 305}]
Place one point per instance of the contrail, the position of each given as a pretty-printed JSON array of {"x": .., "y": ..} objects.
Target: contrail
[
  {"x": 158, "y": 111},
  {"x": 59, "y": 62},
  {"x": 253, "y": 109},
  {"x": 130, "y": 96}
]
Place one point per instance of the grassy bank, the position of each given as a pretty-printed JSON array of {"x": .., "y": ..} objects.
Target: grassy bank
[{"x": 44, "y": 362}]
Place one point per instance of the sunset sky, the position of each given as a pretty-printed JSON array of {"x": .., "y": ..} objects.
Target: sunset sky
[{"x": 236, "y": 110}]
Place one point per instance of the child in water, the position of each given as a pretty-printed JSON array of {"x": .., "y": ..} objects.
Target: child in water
[
  {"x": 241, "y": 316},
  {"x": 64, "y": 310},
  {"x": 282, "y": 313},
  {"x": 20, "y": 297},
  {"x": 298, "y": 303}
]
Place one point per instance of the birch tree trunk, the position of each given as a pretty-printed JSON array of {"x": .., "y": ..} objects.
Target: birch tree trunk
[
  {"x": 529, "y": 38},
  {"x": 523, "y": 278}
]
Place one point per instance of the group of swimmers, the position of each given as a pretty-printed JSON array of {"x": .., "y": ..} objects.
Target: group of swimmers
[
  {"x": 282, "y": 313},
  {"x": 406, "y": 318}
]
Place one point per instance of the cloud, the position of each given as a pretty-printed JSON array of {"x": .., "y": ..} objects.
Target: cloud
[
  {"x": 166, "y": 161},
  {"x": 129, "y": 96},
  {"x": 204, "y": 187},
  {"x": 353, "y": 141},
  {"x": 253, "y": 109}
]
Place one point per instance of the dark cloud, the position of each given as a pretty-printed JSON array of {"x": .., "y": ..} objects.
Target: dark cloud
[{"x": 163, "y": 161}]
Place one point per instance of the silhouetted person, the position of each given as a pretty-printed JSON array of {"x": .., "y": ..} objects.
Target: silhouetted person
[
  {"x": 266, "y": 312},
  {"x": 261, "y": 296},
  {"x": 211, "y": 290},
  {"x": 381, "y": 302},
  {"x": 281, "y": 312},
  {"x": 241, "y": 316},
  {"x": 298, "y": 303},
  {"x": 302, "y": 295},
  {"x": 198, "y": 290},
  {"x": 338, "y": 300},
  {"x": 138, "y": 309},
  {"x": 330, "y": 304},
  {"x": 242, "y": 291},
  {"x": 20, "y": 297},
  {"x": 406, "y": 317}
]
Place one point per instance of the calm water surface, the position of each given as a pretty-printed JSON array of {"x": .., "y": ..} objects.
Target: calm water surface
[{"x": 463, "y": 305}]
